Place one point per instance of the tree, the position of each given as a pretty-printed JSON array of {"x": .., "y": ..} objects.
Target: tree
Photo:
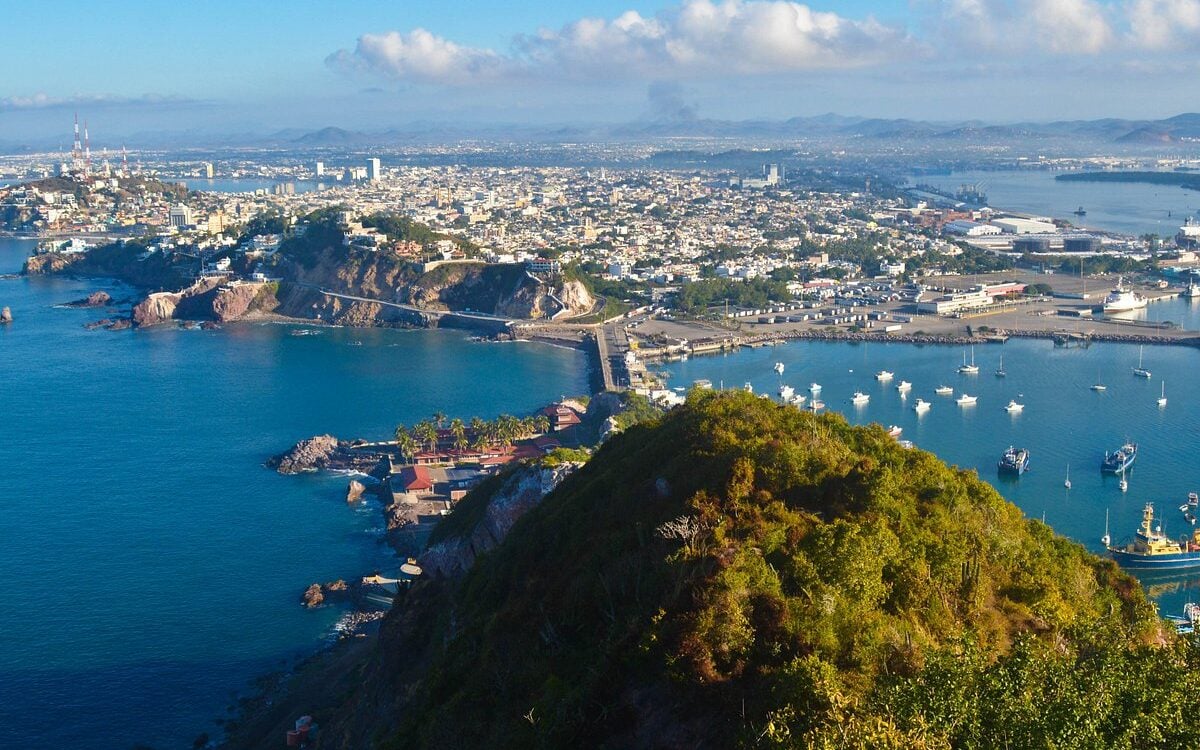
[
  {"x": 427, "y": 433},
  {"x": 459, "y": 431},
  {"x": 406, "y": 444},
  {"x": 439, "y": 419}
]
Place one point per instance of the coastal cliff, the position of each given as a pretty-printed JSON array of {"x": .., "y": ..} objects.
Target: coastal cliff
[
  {"x": 207, "y": 299},
  {"x": 739, "y": 573}
]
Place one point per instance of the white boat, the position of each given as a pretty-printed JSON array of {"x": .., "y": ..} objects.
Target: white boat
[
  {"x": 921, "y": 406},
  {"x": 816, "y": 404},
  {"x": 1123, "y": 484},
  {"x": 1162, "y": 399},
  {"x": 748, "y": 388},
  {"x": 702, "y": 383},
  {"x": 1106, "y": 539},
  {"x": 786, "y": 392},
  {"x": 779, "y": 368},
  {"x": 859, "y": 398},
  {"x": 814, "y": 387},
  {"x": 894, "y": 431},
  {"x": 1121, "y": 299},
  {"x": 1000, "y": 371},
  {"x": 1140, "y": 371},
  {"x": 907, "y": 444},
  {"x": 965, "y": 400},
  {"x": 1193, "y": 289},
  {"x": 904, "y": 386},
  {"x": 1098, "y": 385},
  {"x": 1067, "y": 482},
  {"x": 969, "y": 369},
  {"x": 797, "y": 399},
  {"x": 944, "y": 390},
  {"x": 1014, "y": 408},
  {"x": 884, "y": 375}
]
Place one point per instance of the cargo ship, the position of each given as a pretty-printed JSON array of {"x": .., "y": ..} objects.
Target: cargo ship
[
  {"x": 1015, "y": 461},
  {"x": 1151, "y": 549},
  {"x": 1120, "y": 459}
]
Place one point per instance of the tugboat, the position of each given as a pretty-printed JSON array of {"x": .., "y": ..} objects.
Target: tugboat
[
  {"x": 1151, "y": 549},
  {"x": 1119, "y": 460},
  {"x": 1014, "y": 461}
]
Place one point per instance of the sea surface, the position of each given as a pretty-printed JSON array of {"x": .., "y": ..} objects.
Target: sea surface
[
  {"x": 152, "y": 566},
  {"x": 1123, "y": 207},
  {"x": 1064, "y": 423},
  {"x": 250, "y": 184}
]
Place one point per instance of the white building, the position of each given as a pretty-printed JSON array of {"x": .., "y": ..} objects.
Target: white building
[
  {"x": 971, "y": 228},
  {"x": 180, "y": 216},
  {"x": 1013, "y": 225},
  {"x": 373, "y": 173}
]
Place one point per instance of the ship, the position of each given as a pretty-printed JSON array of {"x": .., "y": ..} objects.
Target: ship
[
  {"x": 1192, "y": 291},
  {"x": 972, "y": 194},
  {"x": 1121, "y": 299},
  {"x": 1014, "y": 461},
  {"x": 1151, "y": 549},
  {"x": 1120, "y": 459},
  {"x": 786, "y": 392}
]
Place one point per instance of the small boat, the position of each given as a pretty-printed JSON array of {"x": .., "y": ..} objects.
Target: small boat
[
  {"x": 748, "y": 388},
  {"x": 1193, "y": 289},
  {"x": 1162, "y": 398},
  {"x": 965, "y": 400},
  {"x": 816, "y": 404},
  {"x": 944, "y": 390},
  {"x": 921, "y": 406},
  {"x": 1067, "y": 481},
  {"x": 1080, "y": 211},
  {"x": 1151, "y": 549},
  {"x": 894, "y": 431},
  {"x": 1099, "y": 385},
  {"x": 778, "y": 368},
  {"x": 883, "y": 376},
  {"x": 1000, "y": 371},
  {"x": 1193, "y": 499},
  {"x": 859, "y": 398},
  {"x": 814, "y": 387},
  {"x": 1140, "y": 371},
  {"x": 907, "y": 444},
  {"x": 797, "y": 399},
  {"x": 1014, "y": 461},
  {"x": 702, "y": 383},
  {"x": 1124, "y": 483},
  {"x": 1106, "y": 539},
  {"x": 1014, "y": 408},
  {"x": 1119, "y": 460},
  {"x": 904, "y": 386},
  {"x": 969, "y": 369},
  {"x": 356, "y": 342},
  {"x": 786, "y": 392}
]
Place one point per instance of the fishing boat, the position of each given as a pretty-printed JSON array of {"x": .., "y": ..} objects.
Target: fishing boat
[
  {"x": 1014, "y": 408},
  {"x": 883, "y": 376},
  {"x": 859, "y": 398},
  {"x": 786, "y": 392},
  {"x": 1014, "y": 461},
  {"x": 1162, "y": 397},
  {"x": 969, "y": 369},
  {"x": 1000, "y": 371},
  {"x": 965, "y": 400},
  {"x": 944, "y": 390},
  {"x": 1140, "y": 371},
  {"x": 1151, "y": 549},
  {"x": 1121, "y": 299},
  {"x": 921, "y": 406},
  {"x": 1119, "y": 460},
  {"x": 1081, "y": 211},
  {"x": 904, "y": 386}
]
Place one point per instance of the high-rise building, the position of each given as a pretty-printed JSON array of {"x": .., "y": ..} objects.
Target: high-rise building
[
  {"x": 180, "y": 216},
  {"x": 373, "y": 170},
  {"x": 208, "y": 170},
  {"x": 320, "y": 169}
]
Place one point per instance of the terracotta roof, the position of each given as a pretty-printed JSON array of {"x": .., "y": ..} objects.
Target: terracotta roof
[{"x": 415, "y": 478}]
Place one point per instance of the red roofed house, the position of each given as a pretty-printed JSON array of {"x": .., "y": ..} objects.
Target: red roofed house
[
  {"x": 561, "y": 417},
  {"x": 416, "y": 480}
]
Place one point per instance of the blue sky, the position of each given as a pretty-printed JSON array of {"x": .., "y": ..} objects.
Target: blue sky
[{"x": 369, "y": 64}]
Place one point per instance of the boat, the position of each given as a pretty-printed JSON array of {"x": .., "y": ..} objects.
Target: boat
[
  {"x": 904, "y": 386},
  {"x": 1140, "y": 371},
  {"x": 778, "y": 368},
  {"x": 1067, "y": 481},
  {"x": 1124, "y": 483},
  {"x": 786, "y": 392},
  {"x": 1121, "y": 299},
  {"x": 816, "y": 404},
  {"x": 965, "y": 400},
  {"x": 748, "y": 388},
  {"x": 944, "y": 390},
  {"x": 859, "y": 398},
  {"x": 1099, "y": 385},
  {"x": 969, "y": 369},
  {"x": 355, "y": 342},
  {"x": 814, "y": 387},
  {"x": 702, "y": 383},
  {"x": 1014, "y": 461},
  {"x": 797, "y": 399},
  {"x": 1106, "y": 540},
  {"x": 1162, "y": 398},
  {"x": 1080, "y": 211},
  {"x": 907, "y": 444},
  {"x": 1192, "y": 291},
  {"x": 1151, "y": 549},
  {"x": 921, "y": 406},
  {"x": 883, "y": 376},
  {"x": 1000, "y": 371},
  {"x": 1120, "y": 459},
  {"x": 894, "y": 431},
  {"x": 1014, "y": 408},
  {"x": 1193, "y": 499}
]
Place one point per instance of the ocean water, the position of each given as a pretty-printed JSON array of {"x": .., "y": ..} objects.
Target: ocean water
[
  {"x": 250, "y": 184},
  {"x": 1064, "y": 423},
  {"x": 1128, "y": 208},
  {"x": 152, "y": 565}
]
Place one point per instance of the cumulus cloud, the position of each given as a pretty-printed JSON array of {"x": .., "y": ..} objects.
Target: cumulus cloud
[
  {"x": 42, "y": 100},
  {"x": 697, "y": 38},
  {"x": 1164, "y": 24},
  {"x": 1012, "y": 26}
]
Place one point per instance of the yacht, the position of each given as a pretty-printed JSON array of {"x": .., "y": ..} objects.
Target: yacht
[
  {"x": 883, "y": 376},
  {"x": 1162, "y": 398},
  {"x": 1000, "y": 371},
  {"x": 965, "y": 400},
  {"x": 1140, "y": 371},
  {"x": 814, "y": 387},
  {"x": 894, "y": 431},
  {"x": 786, "y": 392},
  {"x": 1099, "y": 385},
  {"x": 944, "y": 390},
  {"x": 748, "y": 388},
  {"x": 1014, "y": 408},
  {"x": 969, "y": 369},
  {"x": 921, "y": 406},
  {"x": 816, "y": 404},
  {"x": 778, "y": 368},
  {"x": 904, "y": 386},
  {"x": 1121, "y": 299},
  {"x": 1014, "y": 461},
  {"x": 702, "y": 383},
  {"x": 1120, "y": 459},
  {"x": 797, "y": 399},
  {"x": 859, "y": 398}
]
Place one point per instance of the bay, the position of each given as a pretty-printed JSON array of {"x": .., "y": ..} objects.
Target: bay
[{"x": 153, "y": 566}]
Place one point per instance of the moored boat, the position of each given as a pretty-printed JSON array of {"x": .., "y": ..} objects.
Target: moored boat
[
  {"x": 1120, "y": 459},
  {"x": 921, "y": 406},
  {"x": 1014, "y": 461},
  {"x": 1151, "y": 549},
  {"x": 944, "y": 390},
  {"x": 1121, "y": 299},
  {"x": 883, "y": 376},
  {"x": 1014, "y": 408},
  {"x": 965, "y": 400},
  {"x": 859, "y": 398},
  {"x": 904, "y": 386}
]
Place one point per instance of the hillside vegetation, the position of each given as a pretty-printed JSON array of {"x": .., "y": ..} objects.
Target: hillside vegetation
[{"x": 745, "y": 574}]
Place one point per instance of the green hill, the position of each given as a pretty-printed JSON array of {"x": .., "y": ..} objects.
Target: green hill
[{"x": 745, "y": 574}]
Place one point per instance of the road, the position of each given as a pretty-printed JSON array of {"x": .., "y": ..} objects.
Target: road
[{"x": 411, "y": 308}]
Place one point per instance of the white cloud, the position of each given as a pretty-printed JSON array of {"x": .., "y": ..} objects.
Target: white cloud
[
  {"x": 1006, "y": 27},
  {"x": 1163, "y": 24},
  {"x": 41, "y": 100},
  {"x": 697, "y": 38}
]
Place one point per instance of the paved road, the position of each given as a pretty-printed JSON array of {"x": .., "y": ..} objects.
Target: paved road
[{"x": 411, "y": 308}]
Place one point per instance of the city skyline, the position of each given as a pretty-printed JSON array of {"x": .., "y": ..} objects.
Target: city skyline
[{"x": 371, "y": 66}]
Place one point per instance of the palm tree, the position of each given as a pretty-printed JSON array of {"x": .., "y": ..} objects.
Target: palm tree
[
  {"x": 427, "y": 433},
  {"x": 541, "y": 423},
  {"x": 407, "y": 445},
  {"x": 439, "y": 419},
  {"x": 479, "y": 442},
  {"x": 459, "y": 431}
]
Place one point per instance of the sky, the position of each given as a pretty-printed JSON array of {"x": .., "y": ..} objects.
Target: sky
[{"x": 222, "y": 66}]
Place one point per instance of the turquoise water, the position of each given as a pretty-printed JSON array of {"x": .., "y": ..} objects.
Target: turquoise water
[
  {"x": 1064, "y": 422},
  {"x": 1128, "y": 208},
  {"x": 152, "y": 566}
]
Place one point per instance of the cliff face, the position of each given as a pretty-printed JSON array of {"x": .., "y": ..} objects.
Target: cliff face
[{"x": 207, "y": 299}]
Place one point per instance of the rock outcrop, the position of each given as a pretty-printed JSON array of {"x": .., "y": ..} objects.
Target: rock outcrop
[
  {"x": 523, "y": 491},
  {"x": 307, "y": 455},
  {"x": 95, "y": 299},
  {"x": 355, "y": 490},
  {"x": 48, "y": 263},
  {"x": 6, "y": 315},
  {"x": 313, "y": 596},
  {"x": 320, "y": 593},
  {"x": 206, "y": 300}
]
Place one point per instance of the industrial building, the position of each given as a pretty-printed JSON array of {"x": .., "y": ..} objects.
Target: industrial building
[{"x": 1015, "y": 225}]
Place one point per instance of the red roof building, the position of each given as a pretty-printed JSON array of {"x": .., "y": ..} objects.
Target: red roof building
[
  {"x": 416, "y": 479},
  {"x": 561, "y": 417}
]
